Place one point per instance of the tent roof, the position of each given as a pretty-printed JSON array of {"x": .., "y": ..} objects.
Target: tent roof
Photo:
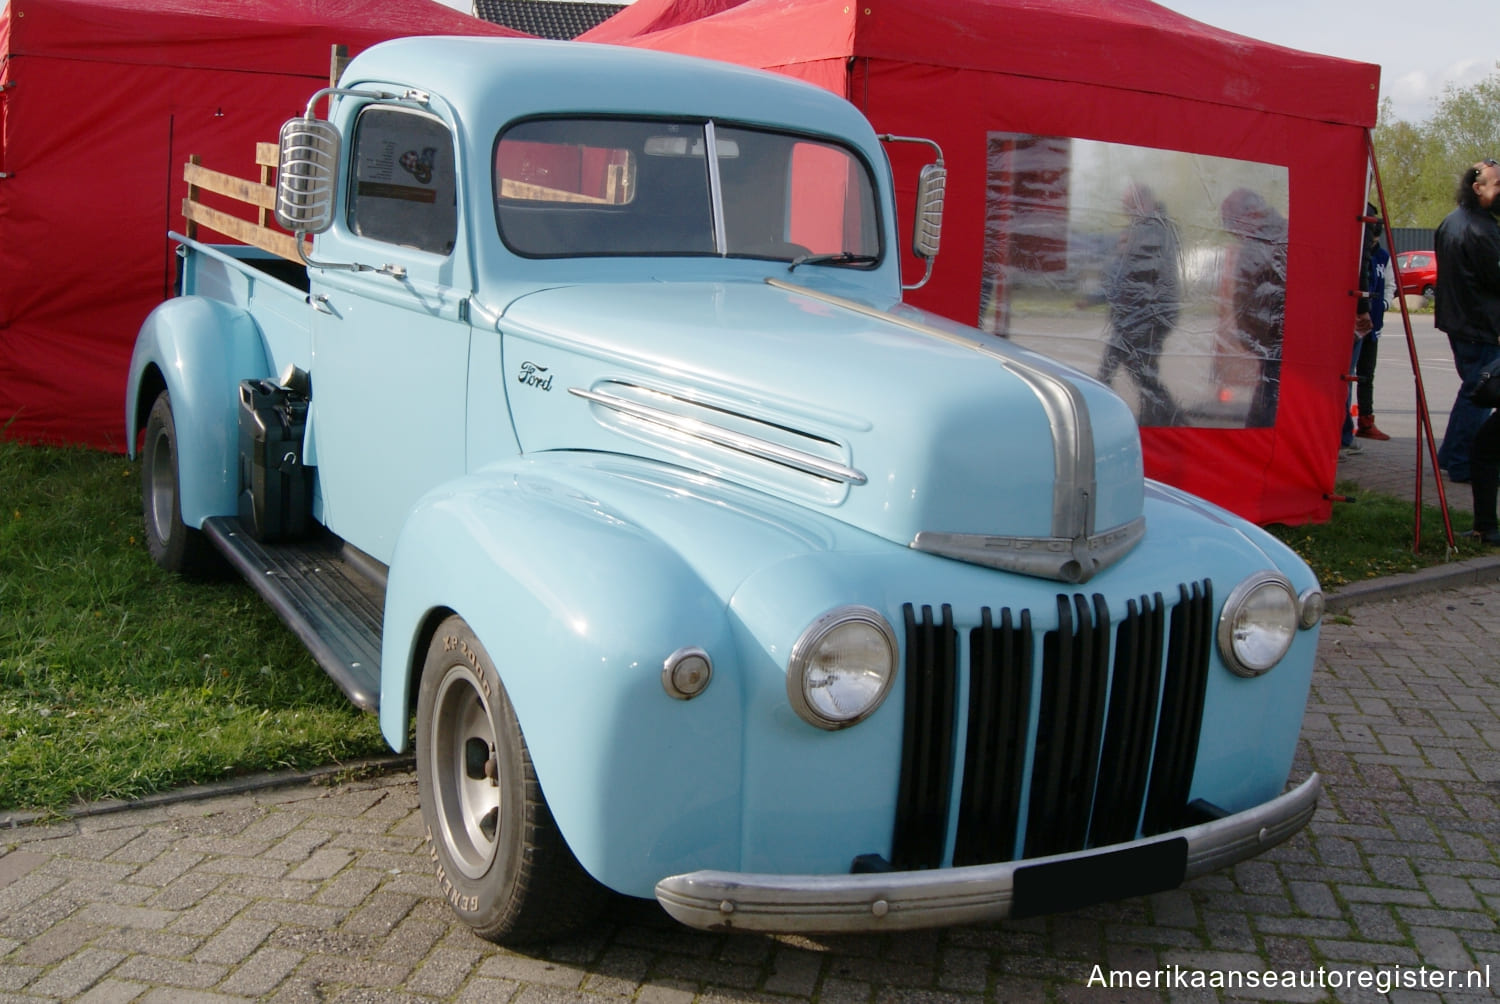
[
  {"x": 261, "y": 36},
  {"x": 1129, "y": 44}
]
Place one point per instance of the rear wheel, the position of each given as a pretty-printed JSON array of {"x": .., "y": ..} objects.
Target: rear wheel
[
  {"x": 502, "y": 863},
  {"x": 173, "y": 545}
]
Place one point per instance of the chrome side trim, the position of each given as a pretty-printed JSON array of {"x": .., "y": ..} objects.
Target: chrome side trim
[
  {"x": 739, "y": 442},
  {"x": 1073, "y": 487},
  {"x": 899, "y": 901},
  {"x": 1074, "y": 560}
]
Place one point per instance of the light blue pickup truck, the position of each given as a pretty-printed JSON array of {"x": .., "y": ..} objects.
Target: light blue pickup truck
[{"x": 591, "y": 435}]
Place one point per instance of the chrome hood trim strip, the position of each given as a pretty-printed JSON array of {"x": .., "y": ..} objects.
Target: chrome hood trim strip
[
  {"x": 1066, "y": 559},
  {"x": 1073, "y": 486},
  {"x": 706, "y": 432}
]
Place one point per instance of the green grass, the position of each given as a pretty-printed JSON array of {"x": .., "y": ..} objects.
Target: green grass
[
  {"x": 118, "y": 679},
  {"x": 1372, "y": 537}
]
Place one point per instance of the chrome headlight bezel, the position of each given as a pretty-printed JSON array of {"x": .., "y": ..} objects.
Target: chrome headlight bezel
[
  {"x": 1311, "y": 605},
  {"x": 1246, "y": 655},
  {"x": 686, "y": 673},
  {"x": 803, "y": 669}
]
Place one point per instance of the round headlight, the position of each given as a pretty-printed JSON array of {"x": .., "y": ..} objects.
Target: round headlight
[
  {"x": 842, "y": 667},
  {"x": 1258, "y": 623}
]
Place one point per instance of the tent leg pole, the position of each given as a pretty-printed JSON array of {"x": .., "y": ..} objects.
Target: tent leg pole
[{"x": 1424, "y": 416}]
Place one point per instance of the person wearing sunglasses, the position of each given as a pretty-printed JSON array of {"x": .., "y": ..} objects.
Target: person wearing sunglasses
[{"x": 1468, "y": 311}]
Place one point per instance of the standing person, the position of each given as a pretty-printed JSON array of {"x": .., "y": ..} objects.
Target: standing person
[
  {"x": 1380, "y": 281},
  {"x": 1362, "y": 328},
  {"x": 1485, "y": 467},
  {"x": 1143, "y": 290},
  {"x": 1468, "y": 304}
]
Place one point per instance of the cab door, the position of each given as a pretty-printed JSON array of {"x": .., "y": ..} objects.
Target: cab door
[{"x": 390, "y": 339}]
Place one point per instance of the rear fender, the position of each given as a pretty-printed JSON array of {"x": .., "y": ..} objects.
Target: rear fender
[
  {"x": 199, "y": 350},
  {"x": 580, "y": 609}
]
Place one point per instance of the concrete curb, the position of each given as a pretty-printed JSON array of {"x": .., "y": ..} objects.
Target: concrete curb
[
  {"x": 1469, "y": 572},
  {"x": 233, "y": 786}
]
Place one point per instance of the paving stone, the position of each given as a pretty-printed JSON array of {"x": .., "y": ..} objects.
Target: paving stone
[
  {"x": 235, "y": 942},
  {"x": 261, "y": 973},
  {"x": 13, "y": 977},
  {"x": 77, "y": 973},
  {"x": 352, "y": 887},
  {"x": 444, "y": 971},
  {"x": 114, "y": 992},
  {"x": 322, "y": 864}
]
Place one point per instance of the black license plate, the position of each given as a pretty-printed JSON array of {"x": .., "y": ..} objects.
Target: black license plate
[{"x": 1058, "y": 886}]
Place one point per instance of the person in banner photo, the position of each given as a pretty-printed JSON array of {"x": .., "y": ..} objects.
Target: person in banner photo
[
  {"x": 1253, "y": 307},
  {"x": 1142, "y": 285}
]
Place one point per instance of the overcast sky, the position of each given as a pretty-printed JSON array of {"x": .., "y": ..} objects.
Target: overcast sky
[{"x": 1420, "y": 45}]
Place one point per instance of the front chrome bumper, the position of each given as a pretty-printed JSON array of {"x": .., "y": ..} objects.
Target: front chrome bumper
[{"x": 894, "y": 901}]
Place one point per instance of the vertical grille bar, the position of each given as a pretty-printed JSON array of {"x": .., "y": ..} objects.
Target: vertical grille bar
[
  {"x": 1183, "y": 694},
  {"x": 1130, "y": 728},
  {"x": 994, "y": 763},
  {"x": 1075, "y": 667},
  {"x": 1115, "y": 743},
  {"x": 924, "y": 793}
]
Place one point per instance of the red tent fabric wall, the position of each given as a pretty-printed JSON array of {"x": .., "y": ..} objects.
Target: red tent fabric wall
[
  {"x": 101, "y": 102},
  {"x": 1127, "y": 72}
]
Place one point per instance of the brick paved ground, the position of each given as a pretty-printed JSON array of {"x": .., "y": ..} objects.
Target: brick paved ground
[{"x": 323, "y": 894}]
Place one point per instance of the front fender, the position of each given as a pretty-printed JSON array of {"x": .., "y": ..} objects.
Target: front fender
[
  {"x": 199, "y": 349},
  {"x": 580, "y": 608}
]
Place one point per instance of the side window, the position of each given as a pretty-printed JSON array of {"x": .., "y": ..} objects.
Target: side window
[{"x": 404, "y": 187}]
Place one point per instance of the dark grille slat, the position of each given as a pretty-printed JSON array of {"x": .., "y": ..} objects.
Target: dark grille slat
[
  {"x": 923, "y": 797},
  {"x": 995, "y": 761},
  {"x": 1130, "y": 728},
  {"x": 1110, "y": 754},
  {"x": 1071, "y": 722},
  {"x": 1181, "y": 717}
]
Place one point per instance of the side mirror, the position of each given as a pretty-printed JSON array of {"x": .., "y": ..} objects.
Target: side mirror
[
  {"x": 307, "y": 175},
  {"x": 927, "y": 228}
]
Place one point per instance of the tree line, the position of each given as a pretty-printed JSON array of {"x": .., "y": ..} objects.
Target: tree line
[{"x": 1420, "y": 162}]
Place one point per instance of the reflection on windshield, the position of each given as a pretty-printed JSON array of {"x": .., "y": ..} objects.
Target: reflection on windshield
[
  {"x": 1162, "y": 273},
  {"x": 588, "y": 187}
]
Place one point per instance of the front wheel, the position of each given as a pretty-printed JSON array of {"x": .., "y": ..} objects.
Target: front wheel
[
  {"x": 501, "y": 861},
  {"x": 173, "y": 544}
]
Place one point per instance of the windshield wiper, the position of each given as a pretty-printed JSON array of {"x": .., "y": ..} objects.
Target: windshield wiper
[{"x": 836, "y": 258}]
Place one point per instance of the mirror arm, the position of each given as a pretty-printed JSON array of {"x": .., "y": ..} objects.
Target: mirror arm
[
  {"x": 925, "y": 276},
  {"x": 887, "y": 137}
]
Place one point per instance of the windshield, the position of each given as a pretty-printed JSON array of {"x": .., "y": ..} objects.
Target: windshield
[{"x": 589, "y": 187}]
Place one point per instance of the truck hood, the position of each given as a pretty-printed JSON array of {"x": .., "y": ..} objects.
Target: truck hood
[{"x": 903, "y": 424}]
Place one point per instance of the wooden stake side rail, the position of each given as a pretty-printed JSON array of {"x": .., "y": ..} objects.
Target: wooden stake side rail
[{"x": 261, "y": 195}]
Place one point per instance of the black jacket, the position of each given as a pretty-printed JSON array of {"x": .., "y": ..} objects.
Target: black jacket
[{"x": 1468, "y": 276}]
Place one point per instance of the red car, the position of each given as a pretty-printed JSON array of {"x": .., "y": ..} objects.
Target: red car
[{"x": 1418, "y": 272}]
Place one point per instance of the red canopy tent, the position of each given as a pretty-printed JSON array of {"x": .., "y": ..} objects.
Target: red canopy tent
[
  {"x": 1066, "y": 84},
  {"x": 101, "y": 102}
]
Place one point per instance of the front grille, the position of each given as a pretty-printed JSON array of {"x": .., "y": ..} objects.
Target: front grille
[{"x": 1068, "y": 741}]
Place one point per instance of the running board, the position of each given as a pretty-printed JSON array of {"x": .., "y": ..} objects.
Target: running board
[{"x": 331, "y": 596}]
